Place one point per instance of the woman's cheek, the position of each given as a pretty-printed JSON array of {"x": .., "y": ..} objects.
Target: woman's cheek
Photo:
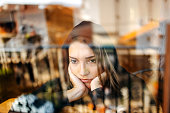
[
  {"x": 74, "y": 69},
  {"x": 94, "y": 71}
]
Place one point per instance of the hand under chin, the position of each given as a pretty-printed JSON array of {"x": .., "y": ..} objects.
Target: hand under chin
[{"x": 88, "y": 85}]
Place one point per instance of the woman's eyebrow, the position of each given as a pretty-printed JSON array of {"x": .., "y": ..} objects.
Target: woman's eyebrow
[
  {"x": 85, "y": 58},
  {"x": 72, "y": 57},
  {"x": 90, "y": 57}
]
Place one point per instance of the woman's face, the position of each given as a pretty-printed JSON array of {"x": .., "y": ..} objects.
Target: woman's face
[{"x": 83, "y": 62}]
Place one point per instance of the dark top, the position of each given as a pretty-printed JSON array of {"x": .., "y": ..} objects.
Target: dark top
[{"x": 50, "y": 97}]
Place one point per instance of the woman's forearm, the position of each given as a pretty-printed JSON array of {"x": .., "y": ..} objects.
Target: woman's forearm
[{"x": 76, "y": 93}]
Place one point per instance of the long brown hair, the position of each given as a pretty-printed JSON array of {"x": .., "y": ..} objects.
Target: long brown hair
[{"x": 85, "y": 32}]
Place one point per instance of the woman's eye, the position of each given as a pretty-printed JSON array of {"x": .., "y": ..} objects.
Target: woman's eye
[
  {"x": 93, "y": 61},
  {"x": 73, "y": 61}
]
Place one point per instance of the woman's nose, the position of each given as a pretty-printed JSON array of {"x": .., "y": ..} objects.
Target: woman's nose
[{"x": 83, "y": 69}]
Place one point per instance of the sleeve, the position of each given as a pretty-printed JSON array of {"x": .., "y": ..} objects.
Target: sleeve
[
  {"x": 50, "y": 94},
  {"x": 98, "y": 96},
  {"x": 30, "y": 103}
]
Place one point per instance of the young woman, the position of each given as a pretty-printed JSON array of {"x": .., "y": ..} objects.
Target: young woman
[
  {"x": 93, "y": 76},
  {"x": 89, "y": 67}
]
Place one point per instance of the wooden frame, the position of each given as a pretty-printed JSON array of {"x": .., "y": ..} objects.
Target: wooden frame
[{"x": 166, "y": 98}]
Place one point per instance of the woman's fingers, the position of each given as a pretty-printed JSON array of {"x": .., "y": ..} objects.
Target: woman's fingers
[
  {"x": 103, "y": 76},
  {"x": 96, "y": 83}
]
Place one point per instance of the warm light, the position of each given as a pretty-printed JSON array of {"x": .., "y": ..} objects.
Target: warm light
[{"x": 135, "y": 33}]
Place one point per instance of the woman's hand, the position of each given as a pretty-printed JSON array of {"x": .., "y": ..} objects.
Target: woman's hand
[
  {"x": 96, "y": 83},
  {"x": 79, "y": 89}
]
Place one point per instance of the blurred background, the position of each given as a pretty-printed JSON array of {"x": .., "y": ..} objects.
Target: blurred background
[{"x": 31, "y": 34}]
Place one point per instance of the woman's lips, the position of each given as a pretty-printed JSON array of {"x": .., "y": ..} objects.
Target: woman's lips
[{"x": 86, "y": 80}]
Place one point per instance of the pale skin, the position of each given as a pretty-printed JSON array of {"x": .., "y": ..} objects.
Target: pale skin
[{"x": 82, "y": 70}]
